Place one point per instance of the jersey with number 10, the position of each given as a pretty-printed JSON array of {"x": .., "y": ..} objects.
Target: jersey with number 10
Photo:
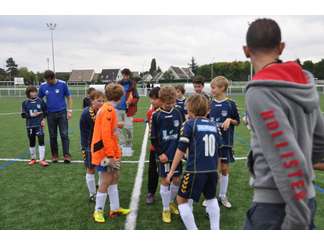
[{"x": 202, "y": 138}]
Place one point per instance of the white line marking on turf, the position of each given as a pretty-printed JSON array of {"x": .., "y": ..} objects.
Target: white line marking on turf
[
  {"x": 131, "y": 218},
  {"x": 26, "y": 160},
  {"x": 18, "y": 113}
]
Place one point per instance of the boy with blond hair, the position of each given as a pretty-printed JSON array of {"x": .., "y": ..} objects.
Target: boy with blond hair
[
  {"x": 201, "y": 137},
  {"x": 224, "y": 112},
  {"x": 165, "y": 131},
  {"x": 106, "y": 154}
]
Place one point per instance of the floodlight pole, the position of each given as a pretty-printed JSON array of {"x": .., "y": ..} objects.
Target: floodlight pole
[
  {"x": 51, "y": 27},
  {"x": 47, "y": 60}
]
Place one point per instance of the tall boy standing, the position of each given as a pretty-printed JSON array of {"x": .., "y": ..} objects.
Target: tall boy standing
[
  {"x": 287, "y": 133},
  {"x": 224, "y": 112}
]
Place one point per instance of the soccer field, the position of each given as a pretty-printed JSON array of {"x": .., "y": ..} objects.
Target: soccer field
[{"x": 57, "y": 198}]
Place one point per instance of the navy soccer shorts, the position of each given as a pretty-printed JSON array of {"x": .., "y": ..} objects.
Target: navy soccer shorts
[
  {"x": 164, "y": 169},
  {"x": 86, "y": 156},
  {"x": 226, "y": 155},
  {"x": 193, "y": 184}
]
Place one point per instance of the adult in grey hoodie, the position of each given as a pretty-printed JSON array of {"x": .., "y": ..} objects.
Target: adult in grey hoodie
[{"x": 287, "y": 134}]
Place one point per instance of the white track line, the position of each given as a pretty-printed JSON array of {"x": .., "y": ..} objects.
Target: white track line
[
  {"x": 26, "y": 160},
  {"x": 130, "y": 223}
]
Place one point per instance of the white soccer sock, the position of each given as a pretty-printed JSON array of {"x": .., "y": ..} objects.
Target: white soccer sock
[
  {"x": 41, "y": 151},
  {"x": 99, "y": 178},
  {"x": 223, "y": 184},
  {"x": 32, "y": 151},
  {"x": 91, "y": 183},
  {"x": 213, "y": 213},
  {"x": 190, "y": 202},
  {"x": 100, "y": 200},
  {"x": 174, "y": 191},
  {"x": 166, "y": 197},
  {"x": 187, "y": 216},
  {"x": 113, "y": 197}
]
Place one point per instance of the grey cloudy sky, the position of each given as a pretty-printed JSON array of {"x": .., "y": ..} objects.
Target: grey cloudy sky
[{"x": 132, "y": 41}]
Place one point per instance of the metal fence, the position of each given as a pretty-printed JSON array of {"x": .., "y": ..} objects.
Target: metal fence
[
  {"x": 82, "y": 91},
  {"x": 76, "y": 91}
]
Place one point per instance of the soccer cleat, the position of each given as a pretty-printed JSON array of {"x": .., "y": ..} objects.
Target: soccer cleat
[
  {"x": 224, "y": 201},
  {"x": 174, "y": 208},
  {"x": 118, "y": 212},
  {"x": 67, "y": 158},
  {"x": 98, "y": 216},
  {"x": 166, "y": 216},
  {"x": 92, "y": 198},
  {"x": 54, "y": 159},
  {"x": 43, "y": 163},
  {"x": 150, "y": 198},
  {"x": 31, "y": 162}
]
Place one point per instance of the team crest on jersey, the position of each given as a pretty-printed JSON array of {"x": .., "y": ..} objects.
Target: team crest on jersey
[
  {"x": 46, "y": 92},
  {"x": 224, "y": 113},
  {"x": 57, "y": 91},
  {"x": 38, "y": 106},
  {"x": 176, "y": 123}
]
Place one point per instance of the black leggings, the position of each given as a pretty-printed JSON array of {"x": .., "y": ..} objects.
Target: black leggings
[
  {"x": 32, "y": 133},
  {"x": 153, "y": 176}
]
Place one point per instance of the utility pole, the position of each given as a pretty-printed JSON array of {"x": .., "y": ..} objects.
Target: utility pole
[{"x": 51, "y": 27}]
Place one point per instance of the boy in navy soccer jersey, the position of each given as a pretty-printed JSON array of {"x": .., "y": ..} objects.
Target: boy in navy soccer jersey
[
  {"x": 181, "y": 99},
  {"x": 199, "y": 84},
  {"x": 165, "y": 131},
  {"x": 87, "y": 121},
  {"x": 224, "y": 112},
  {"x": 201, "y": 136},
  {"x": 34, "y": 110},
  {"x": 153, "y": 175}
]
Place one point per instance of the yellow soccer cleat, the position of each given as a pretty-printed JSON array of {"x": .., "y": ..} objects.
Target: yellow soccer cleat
[
  {"x": 166, "y": 216},
  {"x": 98, "y": 216},
  {"x": 174, "y": 208},
  {"x": 118, "y": 212}
]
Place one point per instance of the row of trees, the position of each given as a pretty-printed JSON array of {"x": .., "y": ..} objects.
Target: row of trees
[
  {"x": 240, "y": 70},
  {"x": 12, "y": 70},
  {"x": 235, "y": 71}
]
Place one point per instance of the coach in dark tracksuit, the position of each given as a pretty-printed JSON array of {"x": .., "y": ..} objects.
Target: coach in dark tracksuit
[{"x": 56, "y": 91}]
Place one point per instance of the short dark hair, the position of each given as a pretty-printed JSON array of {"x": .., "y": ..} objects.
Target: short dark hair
[
  {"x": 30, "y": 89},
  {"x": 154, "y": 93},
  {"x": 263, "y": 35},
  {"x": 181, "y": 88},
  {"x": 198, "y": 80},
  {"x": 49, "y": 75},
  {"x": 126, "y": 72},
  {"x": 90, "y": 90}
]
